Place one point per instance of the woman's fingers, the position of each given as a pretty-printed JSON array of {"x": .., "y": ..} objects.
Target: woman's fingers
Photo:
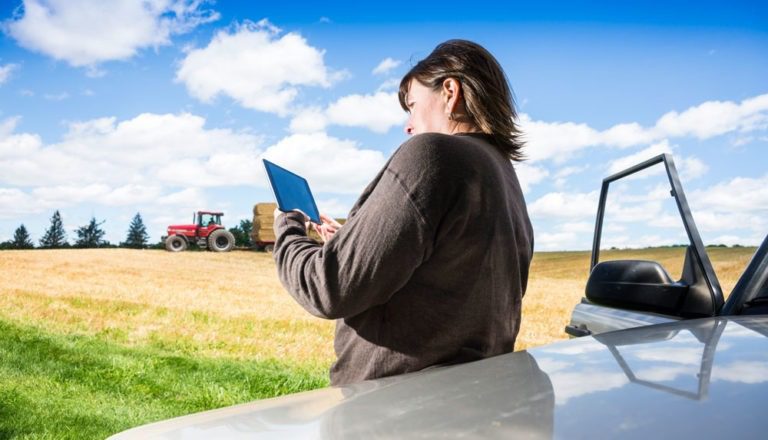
[{"x": 330, "y": 221}]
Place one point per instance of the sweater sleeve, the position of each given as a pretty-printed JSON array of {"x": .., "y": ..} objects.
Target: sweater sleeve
[{"x": 368, "y": 259}]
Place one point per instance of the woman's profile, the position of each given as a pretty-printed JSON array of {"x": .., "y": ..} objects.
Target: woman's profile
[{"x": 432, "y": 264}]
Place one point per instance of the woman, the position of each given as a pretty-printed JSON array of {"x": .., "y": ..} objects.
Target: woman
[{"x": 432, "y": 263}]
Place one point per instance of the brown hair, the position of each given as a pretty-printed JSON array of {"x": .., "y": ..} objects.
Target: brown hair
[{"x": 487, "y": 96}]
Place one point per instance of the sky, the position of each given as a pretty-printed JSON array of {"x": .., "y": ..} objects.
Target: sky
[{"x": 165, "y": 107}]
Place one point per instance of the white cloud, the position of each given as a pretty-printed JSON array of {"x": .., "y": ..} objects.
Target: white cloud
[
  {"x": 308, "y": 120},
  {"x": 132, "y": 194},
  {"x": 333, "y": 207},
  {"x": 8, "y": 125},
  {"x": 89, "y": 32},
  {"x": 132, "y": 152},
  {"x": 560, "y": 140},
  {"x": 6, "y": 71},
  {"x": 738, "y": 195},
  {"x": 691, "y": 167},
  {"x": 385, "y": 66},
  {"x": 555, "y": 140},
  {"x": 329, "y": 164},
  {"x": 741, "y": 372},
  {"x": 571, "y": 384},
  {"x": 378, "y": 112},
  {"x": 620, "y": 210},
  {"x": 164, "y": 160},
  {"x": 728, "y": 240},
  {"x": 389, "y": 85},
  {"x": 69, "y": 194},
  {"x": 671, "y": 354},
  {"x": 256, "y": 67},
  {"x": 732, "y": 212},
  {"x": 714, "y": 118},
  {"x": 16, "y": 145},
  {"x": 56, "y": 96},
  {"x": 742, "y": 140},
  {"x": 529, "y": 175},
  {"x": 715, "y": 220},
  {"x": 627, "y": 135},
  {"x": 184, "y": 198},
  {"x": 565, "y": 205},
  {"x": 667, "y": 373},
  {"x": 578, "y": 227},
  {"x": 560, "y": 177},
  {"x": 14, "y": 202},
  {"x": 555, "y": 240},
  {"x": 670, "y": 221},
  {"x": 120, "y": 163},
  {"x": 568, "y": 235},
  {"x": 569, "y": 171}
]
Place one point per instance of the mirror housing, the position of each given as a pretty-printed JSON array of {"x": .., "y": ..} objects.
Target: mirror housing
[
  {"x": 646, "y": 286},
  {"x": 636, "y": 285}
]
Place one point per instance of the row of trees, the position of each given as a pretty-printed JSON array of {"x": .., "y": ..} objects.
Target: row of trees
[{"x": 91, "y": 235}]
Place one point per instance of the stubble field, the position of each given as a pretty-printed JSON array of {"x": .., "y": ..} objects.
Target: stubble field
[{"x": 175, "y": 333}]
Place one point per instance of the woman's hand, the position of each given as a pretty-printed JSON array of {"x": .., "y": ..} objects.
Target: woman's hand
[
  {"x": 307, "y": 223},
  {"x": 328, "y": 228}
]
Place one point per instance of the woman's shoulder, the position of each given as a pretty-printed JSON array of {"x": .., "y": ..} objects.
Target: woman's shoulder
[{"x": 433, "y": 147}]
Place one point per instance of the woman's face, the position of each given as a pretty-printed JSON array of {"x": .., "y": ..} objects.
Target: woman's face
[{"x": 427, "y": 110}]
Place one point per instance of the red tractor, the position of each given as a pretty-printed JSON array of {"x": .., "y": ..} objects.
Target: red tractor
[{"x": 206, "y": 231}]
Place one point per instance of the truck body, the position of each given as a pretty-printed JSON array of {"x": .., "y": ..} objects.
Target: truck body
[{"x": 622, "y": 294}]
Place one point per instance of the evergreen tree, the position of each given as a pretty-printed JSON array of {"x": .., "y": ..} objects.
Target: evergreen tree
[
  {"x": 90, "y": 235},
  {"x": 137, "y": 234},
  {"x": 21, "y": 239},
  {"x": 54, "y": 237}
]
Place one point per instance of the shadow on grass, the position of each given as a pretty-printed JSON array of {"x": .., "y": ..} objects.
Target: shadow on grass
[{"x": 64, "y": 386}]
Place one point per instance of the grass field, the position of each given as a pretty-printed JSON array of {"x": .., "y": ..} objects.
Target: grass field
[{"x": 95, "y": 341}]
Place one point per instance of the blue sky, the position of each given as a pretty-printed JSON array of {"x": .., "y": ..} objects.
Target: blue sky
[{"x": 164, "y": 107}]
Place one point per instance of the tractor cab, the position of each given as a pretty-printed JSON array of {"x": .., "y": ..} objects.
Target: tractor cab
[{"x": 204, "y": 219}]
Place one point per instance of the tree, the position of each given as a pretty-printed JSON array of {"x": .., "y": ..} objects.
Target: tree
[
  {"x": 21, "y": 239},
  {"x": 90, "y": 235},
  {"x": 137, "y": 234},
  {"x": 55, "y": 236},
  {"x": 242, "y": 233}
]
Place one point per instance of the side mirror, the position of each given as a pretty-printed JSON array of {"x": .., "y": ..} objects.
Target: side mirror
[
  {"x": 646, "y": 286},
  {"x": 635, "y": 285}
]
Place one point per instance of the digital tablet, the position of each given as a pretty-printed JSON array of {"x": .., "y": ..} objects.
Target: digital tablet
[{"x": 291, "y": 191}]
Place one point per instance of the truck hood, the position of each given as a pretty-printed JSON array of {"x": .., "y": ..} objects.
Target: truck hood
[{"x": 705, "y": 378}]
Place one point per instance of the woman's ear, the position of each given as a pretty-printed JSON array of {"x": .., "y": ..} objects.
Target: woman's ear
[{"x": 451, "y": 92}]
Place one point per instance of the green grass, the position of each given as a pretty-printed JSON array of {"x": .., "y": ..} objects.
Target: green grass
[{"x": 68, "y": 386}]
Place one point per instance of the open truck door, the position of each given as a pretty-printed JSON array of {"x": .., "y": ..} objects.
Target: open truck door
[{"x": 631, "y": 293}]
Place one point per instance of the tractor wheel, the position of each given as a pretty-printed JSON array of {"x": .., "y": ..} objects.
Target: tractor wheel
[
  {"x": 175, "y": 243},
  {"x": 269, "y": 248},
  {"x": 221, "y": 240}
]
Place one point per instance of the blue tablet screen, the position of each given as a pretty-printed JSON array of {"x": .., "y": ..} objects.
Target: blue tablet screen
[{"x": 291, "y": 191}]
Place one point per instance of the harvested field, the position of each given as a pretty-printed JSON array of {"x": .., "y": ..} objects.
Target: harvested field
[
  {"x": 233, "y": 305},
  {"x": 96, "y": 341}
]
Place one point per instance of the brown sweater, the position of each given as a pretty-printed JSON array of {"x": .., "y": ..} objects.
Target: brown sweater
[{"x": 430, "y": 267}]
